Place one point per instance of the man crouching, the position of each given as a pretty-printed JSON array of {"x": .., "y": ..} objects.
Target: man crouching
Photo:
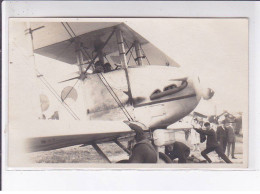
[{"x": 178, "y": 150}]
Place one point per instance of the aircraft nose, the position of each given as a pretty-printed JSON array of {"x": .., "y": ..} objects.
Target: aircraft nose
[
  {"x": 202, "y": 89},
  {"x": 208, "y": 94}
]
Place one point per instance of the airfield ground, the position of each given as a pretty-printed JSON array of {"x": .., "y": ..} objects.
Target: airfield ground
[{"x": 87, "y": 154}]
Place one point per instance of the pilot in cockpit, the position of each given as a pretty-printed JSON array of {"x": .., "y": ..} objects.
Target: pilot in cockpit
[
  {"x": 102, "y": 68},
  {"x": 107, "y": 67},
  {"x": 99, "y": 67}
]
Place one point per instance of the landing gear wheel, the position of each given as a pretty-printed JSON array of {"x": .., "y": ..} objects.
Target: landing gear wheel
[{"x": 163, "y": 158}]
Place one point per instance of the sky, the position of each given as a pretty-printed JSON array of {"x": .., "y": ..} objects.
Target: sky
[{"x": 214, "y": 49}]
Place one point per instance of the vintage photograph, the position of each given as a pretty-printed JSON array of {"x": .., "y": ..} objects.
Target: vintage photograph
[{"x": 128, "y": 93}]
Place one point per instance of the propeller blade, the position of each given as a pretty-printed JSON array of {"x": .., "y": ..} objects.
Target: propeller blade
[{"x": 78, "y": 77}]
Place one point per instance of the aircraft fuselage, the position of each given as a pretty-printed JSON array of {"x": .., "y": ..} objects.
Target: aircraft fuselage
[{"x": 161, "y": 95}]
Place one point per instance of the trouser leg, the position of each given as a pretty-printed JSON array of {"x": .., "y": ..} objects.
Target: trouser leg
[
  {"x": 182, "y": 160},
  {"x": 205, "y": 152},
  {"x": 222, "y": 155},
  {"x": 187, "y": 153},
  {"x": 224, "y": 146},
  {"x": 221, "y": 143},
  {"x": 233, "y": 149},
  {"x": 228, "y": 149},
  {"x": 184, "y": 157}
]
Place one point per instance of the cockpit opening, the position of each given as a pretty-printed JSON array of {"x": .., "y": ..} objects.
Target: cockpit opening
[
  {"x": 170, "y": 87},
  {"x": 168, "y": 90},
  {"x": 156, "y": 92}
]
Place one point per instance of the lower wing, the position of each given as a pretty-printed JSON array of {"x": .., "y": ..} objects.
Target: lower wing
[{"x": 50, "y": 135}]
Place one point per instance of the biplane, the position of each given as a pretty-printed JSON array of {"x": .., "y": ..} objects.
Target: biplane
[{"x": 122, "y": 77}]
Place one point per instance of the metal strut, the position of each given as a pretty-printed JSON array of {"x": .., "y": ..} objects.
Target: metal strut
[
  {"x": 138, "y": 53},
  {"x": 79, "y": 51},
  {"x": 122, "y": 146},
  {"x": 122, "y": 54},
  {"x": 79, "y": 56},
  {"x": 94, "y": 58},
  {"x": 100, "y": 152},
  {"x": 43, "y": 79}
]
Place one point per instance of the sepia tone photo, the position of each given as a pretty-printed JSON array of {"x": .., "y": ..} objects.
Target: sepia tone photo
[{"x": 128, "y": 93}]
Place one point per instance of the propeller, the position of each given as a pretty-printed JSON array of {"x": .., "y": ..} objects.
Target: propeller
[
  {"x": 82, "y": 76},
  {"x": 208, "y": 94},
  {"x": 69, "y": 79}
]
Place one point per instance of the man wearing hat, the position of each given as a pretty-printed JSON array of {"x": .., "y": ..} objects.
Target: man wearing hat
[
  {"x": 222, "y": 136},
  {"x": 231, "y": 140},
  {"x": 143, "y": 151},
  {"x": 211, "y": 144}
]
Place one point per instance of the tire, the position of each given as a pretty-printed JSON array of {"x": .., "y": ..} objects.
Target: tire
[{"x": 164, "y": 158}]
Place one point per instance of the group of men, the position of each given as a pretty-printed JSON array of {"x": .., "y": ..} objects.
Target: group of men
[
  {"x": 226, "y": 138},
  {"x": 144, "y": 152},
  {"x": 212, "y": 143}
]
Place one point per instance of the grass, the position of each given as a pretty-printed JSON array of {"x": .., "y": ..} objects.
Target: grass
[
  {"x": 87, "y": 154},
  {"x": 77, "y": 154}
]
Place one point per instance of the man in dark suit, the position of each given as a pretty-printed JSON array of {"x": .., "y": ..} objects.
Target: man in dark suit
[
  {"x": 211, "y": 144},
  {"x": 231, "y": 140},
  {"x": 222, "y": 137},
  {"x": 178, "y": 150}
]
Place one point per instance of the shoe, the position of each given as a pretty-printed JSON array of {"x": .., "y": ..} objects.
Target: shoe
[{"x": 234, "y": 157}]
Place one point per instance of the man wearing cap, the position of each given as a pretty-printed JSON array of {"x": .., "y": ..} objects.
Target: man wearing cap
[
  {"x": 143, "y": 151},
  {"x": 211, "y": 144}
]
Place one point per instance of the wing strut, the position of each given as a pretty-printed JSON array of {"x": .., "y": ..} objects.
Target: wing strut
[
  {"x": 122, "y": 146},
  {"x": 79, "y": 54},
  {"x": 138, "y": 53},
  {"x": 43, "y": 79},
  {"x": 122, "y": 54},
  {"x": 100, "y": 152},
  {"x": 94, "y": 58}
]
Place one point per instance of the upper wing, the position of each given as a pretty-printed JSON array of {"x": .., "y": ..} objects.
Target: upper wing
[{"x": 55, "y": 42}]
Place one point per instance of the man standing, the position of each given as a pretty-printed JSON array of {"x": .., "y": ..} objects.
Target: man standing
[
  {"x": 143, "y": 151},
  {"x": 222, "y": 137},
  {"x": 178, "y": 150},
  {"x": 211, "y": 144},
  {"x": 231, "y": 141}
]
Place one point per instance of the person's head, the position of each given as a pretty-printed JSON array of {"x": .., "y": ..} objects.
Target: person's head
[
  {"x": 139, "y": 129},
  {"x": 201, "y": 123},
  {"x": 222, "y": 122},
  {"x": 139, "y": 134},
  {"x": 169, "y": 147},
  {"x": 207, "y": 125},
  {"x": 99, "y": 69},
  {"x": 107, "y": 67}
]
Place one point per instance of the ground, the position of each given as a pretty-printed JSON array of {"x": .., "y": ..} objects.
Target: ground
[
  {"x": 87, "y": 154},
  {"x": 78, "y": 154}
]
